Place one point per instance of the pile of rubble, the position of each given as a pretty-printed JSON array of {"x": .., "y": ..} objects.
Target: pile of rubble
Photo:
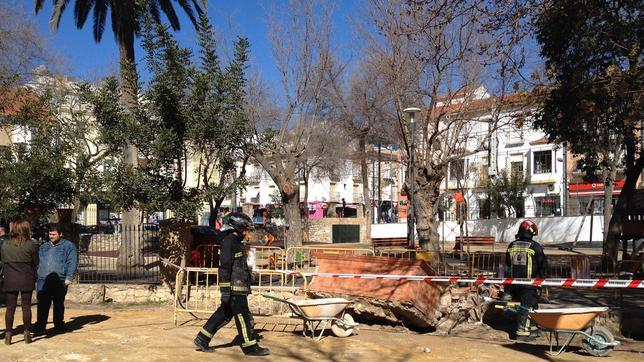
[
  {"x": 460, "y": 305},
  {"x": 416, "y": 305}
]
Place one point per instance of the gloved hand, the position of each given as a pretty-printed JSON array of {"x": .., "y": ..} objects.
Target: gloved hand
[{"x": 225, "y": 298}]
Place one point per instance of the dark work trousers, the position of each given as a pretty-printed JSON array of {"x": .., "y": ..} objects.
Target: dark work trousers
[
  {"x": 54, "y": 291},
  {"x": 237, "y": 307},
  {"x": 527, "y": 296},
  {"x": 12, "y": 303}
]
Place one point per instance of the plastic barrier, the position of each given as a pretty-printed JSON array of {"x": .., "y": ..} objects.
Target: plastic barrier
[{"x": 567, "y": 283}]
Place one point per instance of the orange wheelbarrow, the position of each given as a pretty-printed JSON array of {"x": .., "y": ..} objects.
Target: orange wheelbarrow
[{"x": 597, "y": 340}]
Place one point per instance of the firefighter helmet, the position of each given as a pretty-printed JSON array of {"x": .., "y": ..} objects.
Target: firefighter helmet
[
  {"x": 528, "y": 229},
  {"x": 239, "y": 221}
]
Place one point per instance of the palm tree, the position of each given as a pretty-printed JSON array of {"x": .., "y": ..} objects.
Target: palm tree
[{"x": 127, "y": 17}]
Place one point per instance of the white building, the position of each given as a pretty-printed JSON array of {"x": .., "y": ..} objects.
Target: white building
[{"x": 514, "y": 146}]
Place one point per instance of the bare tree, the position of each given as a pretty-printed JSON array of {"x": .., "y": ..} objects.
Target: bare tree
[
  {"x": 325, "y": 155},
  {"x": 300, "y": 34},
  {"x": 436, "y": 55},
  {"x": 363, "y": 113},
  {"x": 22, "y": 48}
]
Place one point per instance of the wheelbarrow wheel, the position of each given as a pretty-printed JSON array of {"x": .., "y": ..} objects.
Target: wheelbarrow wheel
[
  {"x": 343, "y": 330},
  {"x": 597, "y": 349}
]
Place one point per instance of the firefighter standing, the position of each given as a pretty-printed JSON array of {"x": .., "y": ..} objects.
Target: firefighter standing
[
  {"x": 525, "y": 259},
  {"x": 234, "y": 285}
]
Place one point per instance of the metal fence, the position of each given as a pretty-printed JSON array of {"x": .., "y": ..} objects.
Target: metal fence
[
  {"x": 130, "y": 254},
  {"x": 198, "y": 292},
  {"x": 492, "y": 264}
]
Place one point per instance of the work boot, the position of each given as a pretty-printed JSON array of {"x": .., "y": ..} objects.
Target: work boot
[
  {"x": 27, "y": 337},
  {"x": 61, "y": 328},
  {"x": 202, "y": 344},
  {"x": 528, "y": 338},
  {"x": 7, "y": 337},
  {"x": 256, "y": 350},
  {"x": 38, "y": 329}
]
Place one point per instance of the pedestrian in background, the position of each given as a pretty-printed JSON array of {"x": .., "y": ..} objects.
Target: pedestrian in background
[
  {"x": 19, "y": 256},
  {"x": 56, "y": 271}
]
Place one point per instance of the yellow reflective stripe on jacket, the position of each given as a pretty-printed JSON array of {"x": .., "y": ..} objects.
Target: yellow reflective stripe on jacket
[
  {"x": 237, "y": 288},
  {"x": 224, "y": 284},
  {"x": 529, "y": 251},
  {"x": 239, "y": 254}
]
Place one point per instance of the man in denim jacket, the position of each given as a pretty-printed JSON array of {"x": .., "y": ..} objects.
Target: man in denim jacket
[{"x": 57, "y": 268}]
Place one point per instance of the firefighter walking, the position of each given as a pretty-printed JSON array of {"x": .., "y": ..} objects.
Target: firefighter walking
[
  {"x": 525, "y": 259},
  {"x": 234, "y": 285}
]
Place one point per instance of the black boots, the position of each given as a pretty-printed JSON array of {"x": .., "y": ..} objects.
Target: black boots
[
  {"x": 7, "y": 337},
  {"x": 529, "y": 338},
  {"x": 202, "y": 344},
  {"x": 256, "y": 350},
  {"x": 27, "y": 337}
]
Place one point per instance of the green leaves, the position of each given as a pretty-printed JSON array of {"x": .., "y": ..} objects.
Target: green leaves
[
  {"x": 34, "y": 175},
  {"x": 507, "y": 192},
  {"x": 189, "y": 127},
  {"x": 593, "y": 55}
]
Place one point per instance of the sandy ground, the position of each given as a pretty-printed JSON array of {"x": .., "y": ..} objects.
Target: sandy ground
[{"x": 140, "y": 333}]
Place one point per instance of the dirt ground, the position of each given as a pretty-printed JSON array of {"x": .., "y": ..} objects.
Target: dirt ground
[{"x": 147, "y": 333}]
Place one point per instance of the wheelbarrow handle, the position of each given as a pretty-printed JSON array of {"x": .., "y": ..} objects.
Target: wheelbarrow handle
[{"x": 512, "y": 307}]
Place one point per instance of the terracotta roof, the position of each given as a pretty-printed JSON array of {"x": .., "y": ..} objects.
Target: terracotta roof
[
  {"x": 476, "y": 105},
  {"x": 540, "y": 141},
  {"x": 13, "y": 101}
]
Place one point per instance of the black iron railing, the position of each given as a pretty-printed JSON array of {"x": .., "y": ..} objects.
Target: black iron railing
[{"x": 129, "y": 254}]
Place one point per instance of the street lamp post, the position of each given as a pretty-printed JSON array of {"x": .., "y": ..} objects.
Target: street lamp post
[{"x": 411, "y": 219}]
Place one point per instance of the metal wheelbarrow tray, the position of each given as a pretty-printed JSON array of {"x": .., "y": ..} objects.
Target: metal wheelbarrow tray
[
  {"x": 598, "y": 341},
  {"x": 321, "y": 312}
]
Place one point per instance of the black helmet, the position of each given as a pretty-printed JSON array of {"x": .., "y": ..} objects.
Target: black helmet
[{"x": 239, "y": 221}]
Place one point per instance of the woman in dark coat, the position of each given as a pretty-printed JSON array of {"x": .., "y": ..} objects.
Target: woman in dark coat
[{"x": 20, "y": 257}]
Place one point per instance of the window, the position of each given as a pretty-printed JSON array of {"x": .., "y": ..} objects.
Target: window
[
  {"x": 484, "y": 209},
  {"x": 515, "y": 136},
  {"x": 542, "y": 162},
  {"x": 516, "y": 169},
  {"x": 547, "y": 206},
  {"x": 597, "y": 207},
  {"x": 456, "y": 170}
]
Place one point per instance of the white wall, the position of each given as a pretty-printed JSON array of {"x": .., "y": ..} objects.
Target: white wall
[{"x": 551, "y": 229}]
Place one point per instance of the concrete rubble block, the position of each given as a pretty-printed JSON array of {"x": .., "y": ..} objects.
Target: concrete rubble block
[{"x": 411, "y": 303}]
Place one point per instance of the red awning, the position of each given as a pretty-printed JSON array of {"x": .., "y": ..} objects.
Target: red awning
[{"x": 593, "y": 189}]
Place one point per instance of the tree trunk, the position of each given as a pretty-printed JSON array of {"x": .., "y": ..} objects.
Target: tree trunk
[
  {"x": 611, "y": 244},
  {"x": 609, "y": 186},
  {"x": 306, "y": 225},
  {"x": 426, "y": 197},
  {"x": 130, "y": 253},
  {"x": 291, "y": 204},
  {"x": 364, "y": 175},
  {"x": 212, "y": 217},
  {"x": 214, "y": 206}
]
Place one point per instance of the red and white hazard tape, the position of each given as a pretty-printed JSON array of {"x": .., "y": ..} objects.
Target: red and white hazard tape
[{"x": 569, "y": 283}]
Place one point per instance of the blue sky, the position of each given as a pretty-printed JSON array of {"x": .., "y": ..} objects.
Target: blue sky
[{"x": 88, "y": 60}]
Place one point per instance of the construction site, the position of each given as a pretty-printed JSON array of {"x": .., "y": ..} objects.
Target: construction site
[{"x": 351, "y": 302}]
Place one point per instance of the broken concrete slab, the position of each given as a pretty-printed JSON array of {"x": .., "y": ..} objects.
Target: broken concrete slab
[{"x": 414, "y": 303}]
